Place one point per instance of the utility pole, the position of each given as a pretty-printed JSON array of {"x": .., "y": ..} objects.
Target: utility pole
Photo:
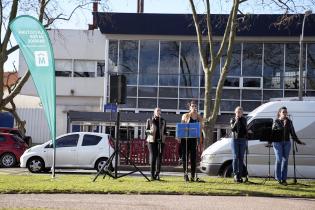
[
  {"x": 301, "y": 83},
  {"x": 140, "y": 6}
]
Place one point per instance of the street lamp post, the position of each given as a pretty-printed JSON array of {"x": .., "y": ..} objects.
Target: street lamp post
[{"x": 301, "y": 84}]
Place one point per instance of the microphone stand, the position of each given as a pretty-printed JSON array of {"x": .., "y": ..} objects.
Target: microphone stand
[
  {"x": 294, "y": 150},
  {"x": 159, "y": 150}
]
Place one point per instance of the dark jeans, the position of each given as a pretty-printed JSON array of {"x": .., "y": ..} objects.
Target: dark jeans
[
  {"x": 282, "y": 150},
  {"x": 188, "y": 147},
  {"x": 155, "y": 158},
  {"x": 238, "y": 151}
]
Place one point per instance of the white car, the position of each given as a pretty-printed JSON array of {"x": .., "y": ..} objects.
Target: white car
[{"x": 85, "y": 150}]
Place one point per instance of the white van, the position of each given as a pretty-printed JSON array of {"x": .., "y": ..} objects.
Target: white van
[{"x": 217, "y": 158}]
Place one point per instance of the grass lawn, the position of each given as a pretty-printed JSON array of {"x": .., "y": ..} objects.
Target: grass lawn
[{"x": 43, "y": 183}]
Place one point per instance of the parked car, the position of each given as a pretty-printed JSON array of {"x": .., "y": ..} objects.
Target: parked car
[
  {"x": 15, "y": 131},
  {"x": 11, "y": 149},
  {"x": 217, "y": 158},
  {"x": 84, "y": 150}
]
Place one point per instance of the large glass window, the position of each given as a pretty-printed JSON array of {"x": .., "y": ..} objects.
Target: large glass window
[
  {"x": 100, "y": 69},
  {"x": 169, "y": 63},
  {"x": 148, "y": 68},
  {"x": 268, "y": 94},
  {"x": 228, "y": 105},
  {"x": 130, "y": 103},
  {"x": 252, "y": 59},
  {"x": 63, "y": 68},
  {"x": 84, "y": 68},
  {"x": 273, "y": 65},
  {"x": 232, "y": 82},
  {"x": 291, "y": 75},
  {"x": 131, "y": 91},
  {"x": 113, "y": 56},
  {"x": 231, "y": 94},
  {"x": 147, "y": 92},
  {"x": 168, "y": 92},
  {"x": 249, "y": 106},
  {"x": 147, "y": 103},
  {"x": 251, "y": 94},
  {"x": 235, "y": 66},
  {"x": 168, "y": 103},
  {"x": 251, "y": 82},
  {"x": 189, "y": 64},
  {"x": 128, "y": 60},
  {"x": 188, "y": 92},
  {"x": 291, "y": 93},
  {"x": 310, "y": 83}
]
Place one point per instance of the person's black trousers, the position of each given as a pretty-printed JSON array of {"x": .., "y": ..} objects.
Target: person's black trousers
[
  {"x": 155, "y": 158},
  {"x": 191, "y": 151}
]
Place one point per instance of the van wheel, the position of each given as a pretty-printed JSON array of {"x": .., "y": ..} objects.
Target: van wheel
[
  {"x": 228, "y": 170},
  {"x": 35, "y": 165},
  {"x": 8, "y": 160},
  {"x": 100, "y": 164}
]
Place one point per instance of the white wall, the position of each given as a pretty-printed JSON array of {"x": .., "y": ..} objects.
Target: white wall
[
  {"x": 72, "y": 44},
  {"x": 65, "y": 104},
  {"x": 36, "y": 124}
]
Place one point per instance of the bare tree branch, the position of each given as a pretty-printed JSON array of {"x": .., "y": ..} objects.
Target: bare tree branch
[
  {"x": 209, "y": 27},
  {"x": 16, "y": 90},
  {"x": 199, "y": 35},
  {"x": 12, "y": 49},
  {"x": 1, "y": 16},
  {"x": 6, "y": 38},
  {"x": 225, "y": 36},
  {"x": 228, "y": 60},
  {"x": 59, "y": 17},
  {"x": 41, "y": 10}
]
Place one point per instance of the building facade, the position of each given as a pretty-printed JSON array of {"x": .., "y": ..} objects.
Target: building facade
[{"x": 158, "y": 53}]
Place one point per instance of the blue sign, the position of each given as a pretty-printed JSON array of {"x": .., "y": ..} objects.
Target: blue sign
[
  {"x": 188, "y": 130},
  {"x": 6, "y": 120},
  {"x": 110, "y": 108}
]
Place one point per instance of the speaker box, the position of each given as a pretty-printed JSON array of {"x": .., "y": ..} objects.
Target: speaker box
[{"x": 118, "y": 87}]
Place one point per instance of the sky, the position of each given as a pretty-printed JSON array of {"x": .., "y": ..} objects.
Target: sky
[{"x": 81, "y": 18}]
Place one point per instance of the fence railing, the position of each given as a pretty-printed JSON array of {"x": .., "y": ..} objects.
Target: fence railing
[{"x": 137, "y": 151}]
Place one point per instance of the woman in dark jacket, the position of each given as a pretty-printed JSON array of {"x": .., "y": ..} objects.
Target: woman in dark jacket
[
  {"x": 282, "y": 128},
  {"x": 239, "y": 129},
  {"x": 156, "y": 133}
]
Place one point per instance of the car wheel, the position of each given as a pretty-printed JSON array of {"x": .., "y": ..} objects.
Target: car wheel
[
  {"x": 100, "y": 164},
  {"x": 8, "y": 160},
  {"x": 35, "y": 165},
  {"x": 46, "y": 170},
  {"x": 228, "y": 170}
]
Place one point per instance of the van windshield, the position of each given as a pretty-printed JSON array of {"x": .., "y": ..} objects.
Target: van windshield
[{"x": 248, "y": 117}]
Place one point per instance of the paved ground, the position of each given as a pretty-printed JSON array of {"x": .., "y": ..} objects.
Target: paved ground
[{"x": 148, "y": 202}]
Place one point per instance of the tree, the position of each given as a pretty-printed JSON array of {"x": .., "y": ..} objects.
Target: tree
[
  {"x": 47, "y": 11},
  {"x": 210, "y": 58}
]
